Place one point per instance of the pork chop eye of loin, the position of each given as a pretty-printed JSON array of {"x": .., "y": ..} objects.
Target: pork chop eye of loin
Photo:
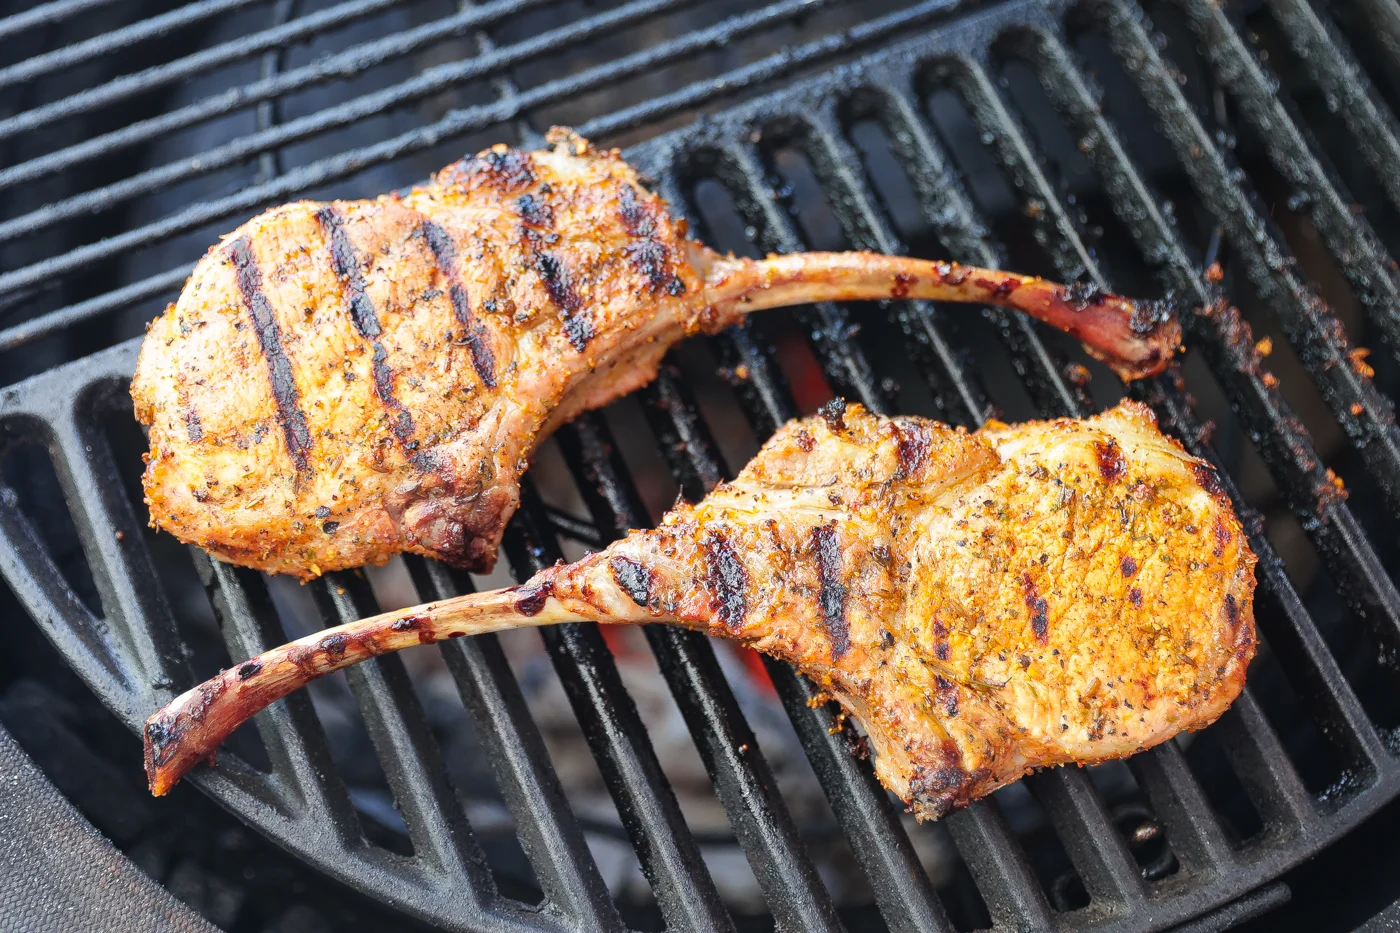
[
  {"x": 983, "y": 604},
  {"x": 339, "y": 382}
]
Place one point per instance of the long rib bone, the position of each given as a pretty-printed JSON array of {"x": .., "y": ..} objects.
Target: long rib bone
[
  {"x": 982, "y": 603},
  {"x": 1135, "y": 338}
]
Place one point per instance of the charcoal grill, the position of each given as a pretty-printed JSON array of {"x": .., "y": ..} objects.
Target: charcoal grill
[{"x": 1095, "y": 145}]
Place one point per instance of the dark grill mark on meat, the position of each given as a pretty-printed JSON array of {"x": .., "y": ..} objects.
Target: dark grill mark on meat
[
  {"x": 635, "y": 217},
  {"x": 1222, "y": 536},
  {"x": 1210, "y": 482},
  {"x": 649, "y": 256},
  {"x": 474, "y": 333},
  {"x": 1148, "y": 316},
  {"x": 334, "y": 646},
  {"x": 506, "y": 169},
  {"x": 651, "y": 259},
  {"x": 1135, "y": 597},
  {"x": 1112, "y": 466},
  {"x": 535, "y": 211},
  {"x": 248, "y": 669},
  {"x": 912, "y": 445},
  {"x": 1127, "y": 566},
  {"x": 279, "y": 367},
  {"x": 1232, "y": 610},
  {"x": 635, "y": 579},
  {"x": 196, "y": 430},
  {"x": 406, "y": 624},
  {"x": 346, "y": 263},
  {"x": 531, "y": 598},
  {"x": 1039, "y": 609},
  {"x": 834, "y": 414},
  {"x": 1081, "y": 296},
  {"x": 934, "y": 791},
  {"x": 902, "y": 283},
  {"x": 555, "y": 275},
  {"x": 727, "y": 580},
  {"x": 833, "y": 589}
]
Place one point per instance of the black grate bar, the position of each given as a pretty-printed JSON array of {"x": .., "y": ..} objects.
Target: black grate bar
[
  {"x": 726, "y": 743},
  {"x": 1223, "y": 340},
  {"x": 437, "y": 826},
  {"x": 616, "y": 735},
  {"x": 1178, "y": 801},
  {"x": 327, "y": 68},
  {"x": 1068, "y": 251},
  {"x": 780, "y": 63},
  {"x": 134, "y": 603},
  {"x": 1357, "y": 250},
  {"x": 960, "y": 395},
  {"x": 307, "y": 778},
  {"x": 82, "y": 637},
  {"x": 583, "y": 532},
  {"x": 116, "y": 40},
  {"x": 1095, "y": 846},
  {"x": 430, "y": 81},
  {"x": 47, "y": 14},
  {"x": 190, "y": 66},
  {"x": 1311, "y": 327},
  {"x": 1262, "y": 764},
  {"x": 150, "y": 287},
  {"x": 998, "y": 863},
  {"x": 901, "y": 887},
  {"x": 548, "y": 830},
  {"x": 950, "y": 211},
  {"x": 1383, "y": 20},
  {"x": 742, "y": 777},
  {"x": 1330, "y": 63},
  {"x": 453, "y": 124}
]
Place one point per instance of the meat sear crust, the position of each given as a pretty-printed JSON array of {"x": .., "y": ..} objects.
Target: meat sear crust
[
  {"x": 340, "y": 382},
  {"x": 983, "y": 604}
]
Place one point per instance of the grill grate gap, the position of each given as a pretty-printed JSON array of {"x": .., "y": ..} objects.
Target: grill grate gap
[
  {"x": 1329, "y": 130},
  {"x": 722, "y": 225},
  {"x": 346, "y": 732},
  {"x": 1369, "y": 44},
  {"x": 1002, "y": 207},
  {"x": 1050, "y": 862},
  {"x": 28, "y": 470},
  {"x": 1205, "y": 753},
  {"x": 802, "y": 193},
  {"x": 957, "y": 889},
  {"x": 977, "y": 347},
  {"x": 1321, "y": 761},
  {"x": 1132, "y": 815}
]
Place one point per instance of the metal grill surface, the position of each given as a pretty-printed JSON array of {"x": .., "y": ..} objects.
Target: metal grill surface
[{"x": 1134, "y": 235}]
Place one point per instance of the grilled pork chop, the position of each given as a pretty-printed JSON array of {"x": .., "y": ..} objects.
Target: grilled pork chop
[
  {"x": 342, "y": 381},
  {"x": 983, "y": 604}
]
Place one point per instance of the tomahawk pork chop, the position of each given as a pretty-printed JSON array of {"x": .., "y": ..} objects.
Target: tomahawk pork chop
[
  {"x": 983, "y": 604},
  {"x": 339, "y": 382}
]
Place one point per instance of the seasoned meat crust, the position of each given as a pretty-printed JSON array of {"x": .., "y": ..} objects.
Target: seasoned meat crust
[
  {"x": 339, "y": 382},
  {"x": 983, "y": 604}
]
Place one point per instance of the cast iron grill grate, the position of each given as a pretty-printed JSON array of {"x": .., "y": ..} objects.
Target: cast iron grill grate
[{"x": 1136, "y": 224}]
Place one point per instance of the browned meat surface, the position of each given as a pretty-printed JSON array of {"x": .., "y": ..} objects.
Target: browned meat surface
[
  {"x": 343, "y": 381},
  {"x": 983, "y": 604}
]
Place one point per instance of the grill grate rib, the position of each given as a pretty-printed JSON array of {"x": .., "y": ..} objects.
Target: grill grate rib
[{"x": 133, "y": 658}]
